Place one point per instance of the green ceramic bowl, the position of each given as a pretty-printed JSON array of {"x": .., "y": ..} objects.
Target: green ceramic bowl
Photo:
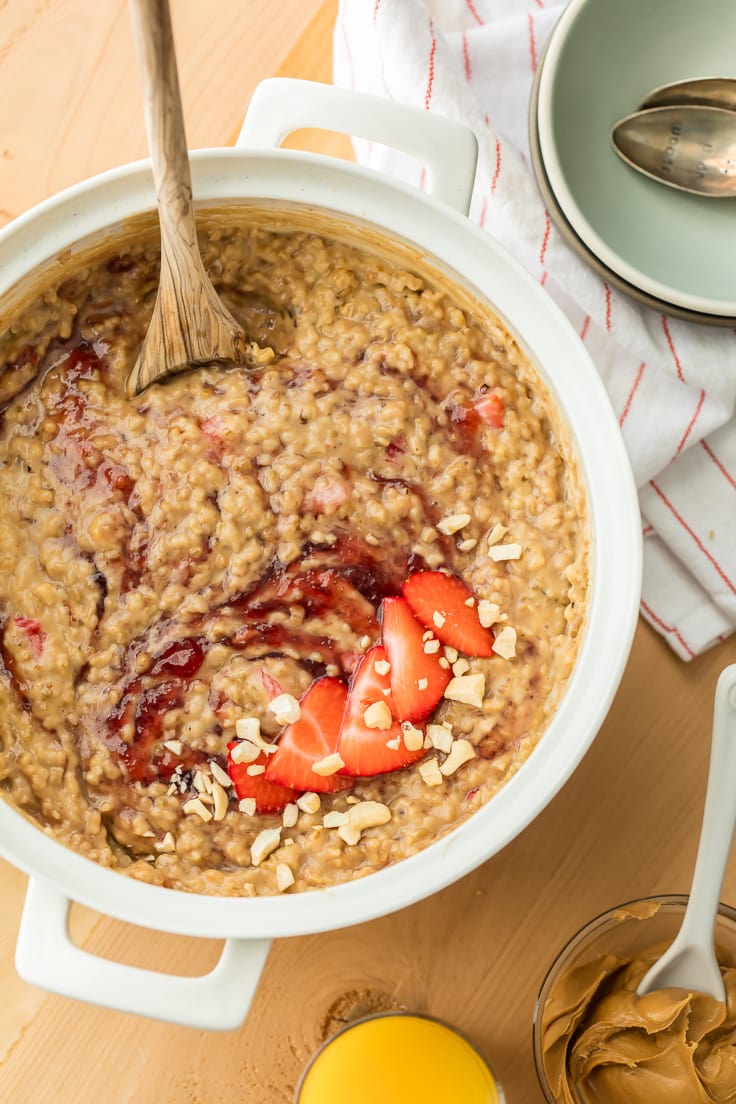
[{"x": 602, "y": 59}]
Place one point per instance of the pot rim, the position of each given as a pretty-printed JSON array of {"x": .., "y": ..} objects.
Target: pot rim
[{"x": 451, "y": 243}]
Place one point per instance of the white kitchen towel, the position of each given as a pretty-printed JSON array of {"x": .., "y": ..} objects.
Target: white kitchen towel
[{"x": 672, "y": 384}]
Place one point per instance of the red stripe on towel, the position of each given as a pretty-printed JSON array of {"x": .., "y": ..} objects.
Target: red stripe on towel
[
  {"x": 722, "y": 469},
  {"x": 667, "y": 628},
  {"x": 430, "y": 77},
  {"x": 466, "y": 58},
  {"x": 497, "y": 170},
  {"x": 532, "y": 44},
  {"x": 473, "y": 12},
  {"x": 698, "y": 542},
  {"x": 632, "y": 392},
  {"x": 671, "y": 344},
  {"x": 545, "y": 239},
  {"x": 693, "y": 420}
]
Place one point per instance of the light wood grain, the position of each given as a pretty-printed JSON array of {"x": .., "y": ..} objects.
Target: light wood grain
[{"x": 624, "y": 825}]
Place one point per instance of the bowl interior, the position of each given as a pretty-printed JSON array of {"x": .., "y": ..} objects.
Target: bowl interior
[{"x": 602, "y": 61}]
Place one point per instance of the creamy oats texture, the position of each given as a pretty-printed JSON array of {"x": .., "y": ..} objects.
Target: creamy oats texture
[{"x": 171, "y": 565}]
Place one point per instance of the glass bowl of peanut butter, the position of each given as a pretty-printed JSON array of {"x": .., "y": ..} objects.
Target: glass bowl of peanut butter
[{"x": 596, "y": 1042}]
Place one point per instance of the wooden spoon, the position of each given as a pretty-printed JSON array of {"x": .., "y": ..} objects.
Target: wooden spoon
[{"x": 190, "y": 326}]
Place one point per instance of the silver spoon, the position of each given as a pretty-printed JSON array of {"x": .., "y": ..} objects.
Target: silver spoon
[
  {"x": 688, "y": 147},
  {"x": 706, "y": 91},
  {"x": 690, "y": 962}
]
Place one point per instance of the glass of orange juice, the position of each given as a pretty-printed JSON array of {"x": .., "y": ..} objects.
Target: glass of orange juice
[{"x": 398, "y": 1058}]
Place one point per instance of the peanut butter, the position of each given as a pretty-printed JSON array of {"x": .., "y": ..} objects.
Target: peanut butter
[{"x": 604, "y": 1045}]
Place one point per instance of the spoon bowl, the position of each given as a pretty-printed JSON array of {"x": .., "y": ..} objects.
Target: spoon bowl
[
  {"x": 690, "y": 961},
  {"x": 689, "y": 147},
  {"x": 705, "y": 92}
]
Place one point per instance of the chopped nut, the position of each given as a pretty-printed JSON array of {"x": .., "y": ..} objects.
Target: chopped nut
[
  {"x": 378, "y": 715},
  {"x": 445, "y": 663},
  {"x": 382, "y": 667},
  {"x": 166, "y": 844},
  {"x": 290, "y": 815},
  {"x": 334, "y": 819},
  {"x": 331, "y": 764},
  {"x": 247, "y": 805},
  {"x": 219, "y": 774},
  {"x": 248, "y": 728},
  {"x": 467, "y": 545},
  {"x": 264, "y": 843},
  {"x": 394, "y": 744},
  {"x": 285, "y": 709},
  {"x": 196, "y": 807},
  {"x": 460, "y": 752},
  {"x": 470, "y": 601},
  {"x": 430, "y": 772},
  {"x": 352, "y": 800},
  {"x": 468, "y": 689},
  {"x": 451, "y": 653},
  {"x": 309, "y": 802},
  {"x": 440, "y": 737},
  {"x": 505, "y": 643},
  {"x": 221, "y": 800},
  {"x": 364, "y": 642},
  {"x": 422, "y": 683},
  {"x": 432, "y": 646},
  {"x": 366, "y": 814},
  {"x": 201, "y": 782},
  {"x": 488, "y": 613},
  {"x": 174, "y": 746},
  {"x": 284, "y": 877},
  {"x": 496, "y": 534},
  {"x": 244, "y": 752},
  {"x": 460, "y": 667},
  {"x": 255, "y": 768},
  {"x": 428, "y": 635},
  {"x": 501, "y": 552},
  {"x": 438, "y": 619},
  {"x": 413, "y": 737},
  {"x": 451, "y": 524}
]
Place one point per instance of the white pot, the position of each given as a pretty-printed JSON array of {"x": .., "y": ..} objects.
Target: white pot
[{"x": 437, "y": 224}]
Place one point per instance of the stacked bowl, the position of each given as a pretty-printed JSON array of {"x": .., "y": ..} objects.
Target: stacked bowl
[{"x": 668, "y": 249}]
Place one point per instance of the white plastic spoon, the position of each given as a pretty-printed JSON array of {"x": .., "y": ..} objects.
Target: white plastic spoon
[{"x": 690, "y": 963}]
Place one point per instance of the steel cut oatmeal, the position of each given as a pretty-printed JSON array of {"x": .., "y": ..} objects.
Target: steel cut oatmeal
[{"x": 272, "y": 629}]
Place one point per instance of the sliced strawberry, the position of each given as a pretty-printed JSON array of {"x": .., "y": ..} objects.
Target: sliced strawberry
[
  {"x": 269, "y": 798},
  {"x": 417, "y": 679},
  {"x": 311, "y": 738},
  {"x": 491, "y": 410},
  {"x": 439, "y": 601},
  {"x": 365, "y": 750}
]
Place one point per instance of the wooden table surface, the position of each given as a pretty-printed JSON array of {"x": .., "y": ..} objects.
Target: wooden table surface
[{"x": 625, "y": 825}]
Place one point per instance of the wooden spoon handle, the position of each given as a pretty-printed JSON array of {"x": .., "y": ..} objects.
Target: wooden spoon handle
[{"x": 165, "y": 123}]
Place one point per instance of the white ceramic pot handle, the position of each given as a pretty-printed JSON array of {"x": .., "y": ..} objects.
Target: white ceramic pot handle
[
  {"x": 45, "y": 956},
  {"x": 448, "y": 150}
]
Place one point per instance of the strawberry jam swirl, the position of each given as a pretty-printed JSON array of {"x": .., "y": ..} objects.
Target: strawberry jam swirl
[{"x": 382, "y": 528}]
